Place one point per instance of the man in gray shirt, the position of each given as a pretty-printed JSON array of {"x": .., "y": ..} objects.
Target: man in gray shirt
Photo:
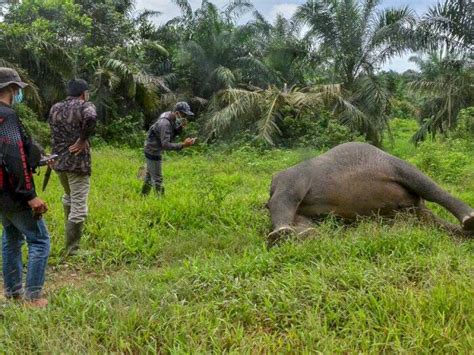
[{"x": 159, "y": 138}]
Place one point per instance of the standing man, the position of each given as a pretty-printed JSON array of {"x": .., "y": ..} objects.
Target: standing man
[
  {"x": 159, "y": 138},
  {"x": 20, "y": 209},
  {"x": 72, "y": 123}
]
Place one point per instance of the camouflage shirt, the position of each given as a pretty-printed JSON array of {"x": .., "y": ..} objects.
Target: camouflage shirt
[
  {"x": 160, "y": 136},
  {"x": 70, "y": 120}
]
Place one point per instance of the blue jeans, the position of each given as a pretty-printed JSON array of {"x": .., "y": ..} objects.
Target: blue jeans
[{"x": 18, "y": 226}]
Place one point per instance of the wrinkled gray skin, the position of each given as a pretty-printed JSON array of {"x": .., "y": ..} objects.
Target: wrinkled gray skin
[{"x": 357, "y": 179}]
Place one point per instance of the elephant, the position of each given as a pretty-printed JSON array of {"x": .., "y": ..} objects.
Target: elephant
[{"x": 357, "y": 179}]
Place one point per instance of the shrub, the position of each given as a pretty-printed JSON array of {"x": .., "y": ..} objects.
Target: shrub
[
  {"x": 124, "y": 131},
  {"x": 444, "y": 160},
  {"x": 39, "y": 130},
  {"x": 313, "y": 129},
  {"x": 402, "y": 109},
  {"x": 465, "y": 126}
]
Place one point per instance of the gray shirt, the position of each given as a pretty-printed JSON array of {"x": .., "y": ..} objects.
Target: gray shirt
[{"x": 160, "y": 137}]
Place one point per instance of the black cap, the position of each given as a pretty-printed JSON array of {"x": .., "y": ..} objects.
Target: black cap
[
  {"x": 184, "y": 108},
  {"x": 76, "y": 87}
]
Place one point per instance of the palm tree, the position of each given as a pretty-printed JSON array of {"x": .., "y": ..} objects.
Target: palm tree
[
  {"x": 448, "y": 25},
  {"x": 283, "y": 50},
  {"x": 35, "y": 58},
  {"x": 236, "y": 109},
  {"x": 359, "y": 39},
  {"x": 446, "y": 88},
  {"x": 213, "y": 55},
  {"x": 120, "y": 77},
  {"x": 445, "y": 33}
]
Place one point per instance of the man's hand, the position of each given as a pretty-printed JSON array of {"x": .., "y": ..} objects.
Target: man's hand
[
  {"x": 78, "y": 147},
  {"x": 51, "y": 163},
  {"x": 38, "y": 206},
  {"x": 189, "y": 142}
]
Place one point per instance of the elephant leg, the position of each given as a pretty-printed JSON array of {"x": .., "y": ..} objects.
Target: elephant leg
[
  {"x": 282, "y": 208},
  {"x": 424, "y": 214},
  {"x": 303, "y": 225},
  {"x": 415, "y": 181}
]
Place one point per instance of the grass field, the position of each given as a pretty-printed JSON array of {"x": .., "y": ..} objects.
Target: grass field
[{"x": 190, "y": 273}]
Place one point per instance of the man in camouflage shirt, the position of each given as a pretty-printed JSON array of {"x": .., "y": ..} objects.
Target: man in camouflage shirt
[
  {"x": 160, "y": 138},
  {"x": 72, "y": 123}
]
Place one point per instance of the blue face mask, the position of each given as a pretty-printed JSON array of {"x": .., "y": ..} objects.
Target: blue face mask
[{"x": 18, "y": 98}]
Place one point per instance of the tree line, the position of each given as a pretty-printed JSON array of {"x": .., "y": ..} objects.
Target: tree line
[{"x": 250, "y": 79}]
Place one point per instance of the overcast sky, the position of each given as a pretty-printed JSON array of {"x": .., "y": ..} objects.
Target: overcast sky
[{"x": 270, "y": 8}]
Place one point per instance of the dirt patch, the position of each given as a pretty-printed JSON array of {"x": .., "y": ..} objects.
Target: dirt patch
[{"x": 62, "y": 276}]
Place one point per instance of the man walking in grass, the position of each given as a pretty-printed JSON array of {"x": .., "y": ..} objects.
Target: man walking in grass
[
  {"x": 72, "y": 123},
  {"x": 159, "y": 138},
  {"x": 20, "y": 209}
]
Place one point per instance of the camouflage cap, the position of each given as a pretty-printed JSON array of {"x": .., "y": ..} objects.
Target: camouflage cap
[
  {"x": 8, "y": 77},
  {"x": 184, "y": 108}
]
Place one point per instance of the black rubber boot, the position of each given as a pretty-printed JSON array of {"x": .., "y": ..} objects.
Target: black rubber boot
[
  {"x": 73, "y": 237},
  {"x": 67, "y": 211},
  {"x": 146, "y": 189},
  {"x": 160, "y": 191}
]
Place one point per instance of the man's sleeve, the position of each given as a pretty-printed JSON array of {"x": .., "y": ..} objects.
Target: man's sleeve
[
  {"x": 89, "y": 115},
  {"x": 15, "y": 160},
  {"x": 165, "y": 132}
]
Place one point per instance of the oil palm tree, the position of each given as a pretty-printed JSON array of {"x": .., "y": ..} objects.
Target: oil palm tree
[
  {"x": 448, "y": 25},
  {"x": 236, "y": 109},
  {"x": 282, "y": 48},
  {"x": 35, "y": 58},
  {"x": 359, "y": 39},
  {"x": 122, "y": 77},
  {"x": 446, "y": 88},
  {"x": 213, "y": 55}
]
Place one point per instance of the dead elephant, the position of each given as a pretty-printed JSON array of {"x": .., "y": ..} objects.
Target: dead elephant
[{"x": 357, "y": 179}]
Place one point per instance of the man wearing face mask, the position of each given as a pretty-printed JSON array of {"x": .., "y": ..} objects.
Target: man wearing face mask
[
  {"x": 20, "y": 208},
  {"x": 159, "y": 138},
  {"x": 72, "y": 123}
]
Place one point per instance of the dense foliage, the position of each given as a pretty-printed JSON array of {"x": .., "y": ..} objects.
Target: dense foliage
[{"x": 240, "y": 76}]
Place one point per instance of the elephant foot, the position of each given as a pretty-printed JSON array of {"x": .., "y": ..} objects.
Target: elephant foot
[
  {"x": 279, "y": 235},
  {"x": 468, "y": 222}
]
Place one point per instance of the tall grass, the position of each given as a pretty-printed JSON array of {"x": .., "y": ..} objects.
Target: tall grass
[{"x": 189, "y": 273}]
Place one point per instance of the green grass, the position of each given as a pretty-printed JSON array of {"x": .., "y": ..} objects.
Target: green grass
[{"x": 190, "y": 273}]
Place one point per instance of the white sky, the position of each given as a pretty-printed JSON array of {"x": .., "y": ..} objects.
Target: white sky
[{"x": 270, "y": 8}]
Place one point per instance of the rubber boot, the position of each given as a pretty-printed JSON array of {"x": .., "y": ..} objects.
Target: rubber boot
[
  {"x": 73, "y": 237},
  {"x": 146, "y": 189},
  {"x": 67, "y": 211},
  {"x": 160, "y": 191}
]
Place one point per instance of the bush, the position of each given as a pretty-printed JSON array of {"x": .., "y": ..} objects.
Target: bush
[
  {"x": 445, "y": 160},
  {"x": 125, "y": 131},
  {"x": 402, "y": 109},
  {"x": 465, "y": 126},
  {"x": 39, "y": 130},
  {"x": 314, "y": 129}
]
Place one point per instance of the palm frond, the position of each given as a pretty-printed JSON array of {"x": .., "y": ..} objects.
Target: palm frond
[
  {"x": 237, "y": 8},
  {"x": 267, "y": 126},
  {"x": 185, "y": 7},
  {"x": 224, "y": 76}
]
